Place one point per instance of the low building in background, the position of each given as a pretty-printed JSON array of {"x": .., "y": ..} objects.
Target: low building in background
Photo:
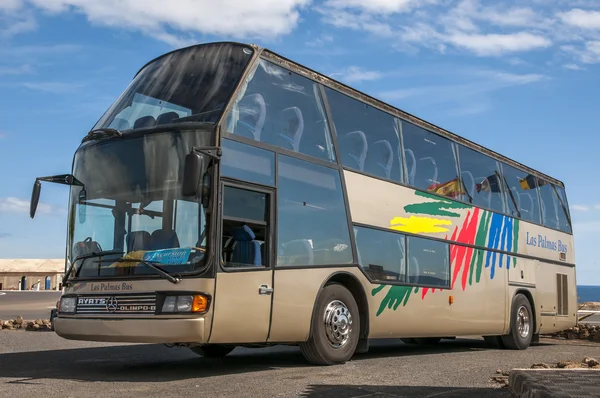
[{"x": 31, "y": 274}]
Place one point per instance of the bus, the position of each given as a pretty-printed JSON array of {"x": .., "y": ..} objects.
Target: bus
[{"x": 231, "y": 197}]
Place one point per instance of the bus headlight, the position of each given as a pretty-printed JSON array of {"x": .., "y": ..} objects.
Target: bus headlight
[
  {"x": 185, "y": 303},
  {"x": 67, "y": 304}
]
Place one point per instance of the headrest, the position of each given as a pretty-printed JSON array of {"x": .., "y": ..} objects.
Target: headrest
[
  {"x": 383, "y": 150},
  {"x": 167, "y": 118},
  {"x": 120, "y": 124},
  {"x": 164, "y": 239},
  {"x": 138, "y": 240},
  {"x": 253, "y": 107},
  {"x": 242, "y": 234},
  {"x": 355, "y": 141},
  {"x": 146, "y": 121},
  {"x": 292, "y": 119}
]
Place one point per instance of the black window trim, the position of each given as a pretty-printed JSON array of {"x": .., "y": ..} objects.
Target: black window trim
[{"x": 228, "y": 182}]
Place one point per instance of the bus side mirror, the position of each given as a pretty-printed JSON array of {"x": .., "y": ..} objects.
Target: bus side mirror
[
  {"x": 191, "y": 174},
  {"x": 35, "y": 198}
]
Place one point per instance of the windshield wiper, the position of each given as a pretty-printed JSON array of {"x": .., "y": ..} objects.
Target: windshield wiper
[
  {"x": 101, "y": 133},
  {"x": 86, "y": 256},
  {"x": 164, "y": 273}
]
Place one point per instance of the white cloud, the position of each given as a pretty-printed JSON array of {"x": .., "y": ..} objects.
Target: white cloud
[
  {"x": 10, "y": 5},
  {"x": 580, "y": 208},
  {"x": 377, "y": 6},
  {"x": 585, "y": 19},
  {"x": 499, "y": 44},
  {"x": 14, "y": 20},
  {"x": 235, "y": 18},
  {"x": 468, "y": 95},
  {"x": 15, "y": 70},
  {"x": 573, "y": 67},
  {"x": 355, "y": 74},
  {"x": 20, "y": 206}
]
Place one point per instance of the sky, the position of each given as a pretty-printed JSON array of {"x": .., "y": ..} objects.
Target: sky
[{"x": 519, "y": 77}]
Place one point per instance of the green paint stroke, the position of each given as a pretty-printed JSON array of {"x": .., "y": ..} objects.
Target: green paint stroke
[
  {"x": 515, "y": 240},
  {"x": 438, "y": 208},
  {"x": 477, "y": 260},
  {"x": 395, "y": 296}
]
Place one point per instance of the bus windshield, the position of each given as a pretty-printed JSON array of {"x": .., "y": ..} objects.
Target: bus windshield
[
  {"x": 188, "y": 85},
  {"x": 130, "y": 207}
]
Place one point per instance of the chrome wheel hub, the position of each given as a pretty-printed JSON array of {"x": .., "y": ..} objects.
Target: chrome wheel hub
[
  {"x": 338, "y": 323},
  {"x": 523, "y": 323}
]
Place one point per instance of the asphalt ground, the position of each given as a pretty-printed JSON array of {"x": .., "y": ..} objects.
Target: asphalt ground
[
  {"x": 28, "y": 304},
  {"x": 34, "y": 363}
]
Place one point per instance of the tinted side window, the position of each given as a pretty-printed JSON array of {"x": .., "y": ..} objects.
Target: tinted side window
[
  {"x": 428, "y": 262},
  {"x": 381, "y": 254},
  {"x": 481, "y": 179},
  {"x": 311, "y": 215},
  {"x": 549, "y": 203},
  {"x": 282, "y": 108},
  {"x": 368, "y": 139},
  {"x": 430, "y": 161},
  {"x": 522, "y": 194},
  {"x": 248, "y": 163},
  {"x": 564, "y": 217}
]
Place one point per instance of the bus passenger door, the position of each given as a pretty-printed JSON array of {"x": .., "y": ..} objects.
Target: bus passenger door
[{"x": 244, "y": 281}]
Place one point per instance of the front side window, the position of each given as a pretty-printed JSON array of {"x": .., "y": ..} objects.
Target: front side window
[
  {"x": 247, "y": 163},
  {"x": 311, "y": 215},
  {"x": 245, "y": 231},
  {"x": 368, "y": 139},
  {"x": 481, "y": 180},
  {"x": 130, "y": 207},
  {"x": 282, "y": 108},
  {"x": 522, "y": 194},
  {"x": 188, "y": 85},
  {"x": 430, "y": 161}
]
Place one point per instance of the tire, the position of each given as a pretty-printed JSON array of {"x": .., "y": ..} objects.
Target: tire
[
  {"x": 335, "y": 327},
  {"x": 213, "y": 350},
  {"x": 521, "y": 324}
]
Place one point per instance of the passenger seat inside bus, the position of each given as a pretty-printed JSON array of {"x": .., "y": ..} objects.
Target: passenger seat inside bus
[
  {"x": 411, "y": 166},
  {"x": 291, "y": 128},
  {"x": 380, "y": 159},
  {"x": 164, "y": 239},
  {"x": 138, "y": 240},
  {"x": 166, "y": 118},
  {"x": 246, "y": 249},
  {"x": 353, "y": 149},
  {"x": 252, "y": 112},
  {"x": 144, "y": 122},
  {"x": 298, "y": 252}
]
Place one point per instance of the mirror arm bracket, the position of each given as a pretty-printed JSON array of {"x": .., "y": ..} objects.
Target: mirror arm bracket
[{"x": 213, "y": 152}]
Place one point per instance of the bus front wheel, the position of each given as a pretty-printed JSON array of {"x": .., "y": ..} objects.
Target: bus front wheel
[
  {"x": 213, "y": 350},
  {"x": 335, "y": 327}
]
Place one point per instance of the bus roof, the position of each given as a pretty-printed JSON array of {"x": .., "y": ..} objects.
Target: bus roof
[{"x": 356, "y": 94}]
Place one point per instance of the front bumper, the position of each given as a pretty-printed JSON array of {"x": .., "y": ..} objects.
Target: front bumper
[{"x": 132, "y": 330}]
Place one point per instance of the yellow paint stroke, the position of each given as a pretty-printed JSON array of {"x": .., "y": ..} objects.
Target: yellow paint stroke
[{"x": 417, "y": 225}]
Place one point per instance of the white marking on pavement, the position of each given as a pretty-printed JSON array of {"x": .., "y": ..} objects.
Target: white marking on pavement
[{"x": 2, "y": 293}]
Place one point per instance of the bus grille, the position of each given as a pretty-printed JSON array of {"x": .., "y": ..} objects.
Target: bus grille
[{"x": 117, "y": 304}]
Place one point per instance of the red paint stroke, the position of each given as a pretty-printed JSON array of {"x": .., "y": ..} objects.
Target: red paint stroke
[{"x": 461, "y": 256}]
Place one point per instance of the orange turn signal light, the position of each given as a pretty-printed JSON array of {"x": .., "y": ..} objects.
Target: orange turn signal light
[
  {"x": 200, "y": 303},
  {"x": 451, "y": 300}
]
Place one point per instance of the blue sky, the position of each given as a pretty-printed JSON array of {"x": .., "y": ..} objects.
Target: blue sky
[{"x": 520, "y": 77}]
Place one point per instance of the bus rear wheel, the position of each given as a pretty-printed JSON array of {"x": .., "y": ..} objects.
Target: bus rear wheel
[
  {"x": 213, "y": 350},
  {"x": 521, "y": 325},
  {"x": 335, "y": 327}
]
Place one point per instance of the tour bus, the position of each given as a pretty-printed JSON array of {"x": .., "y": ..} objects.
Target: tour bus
[{"x": 231, "y": 197}]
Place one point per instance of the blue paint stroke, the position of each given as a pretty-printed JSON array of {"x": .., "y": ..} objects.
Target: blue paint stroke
[
  {"x": 510, "y": 222},
  {"x": 494, "y": 241}
]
